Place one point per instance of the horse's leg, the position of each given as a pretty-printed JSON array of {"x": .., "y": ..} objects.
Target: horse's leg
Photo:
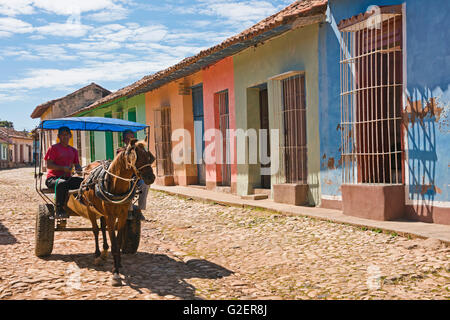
[
  {"x": 120, "y": 226},
  {"x": 104, "y": 254},
  {"x": 95, "y": 229},
  {"x": 115, "y": 249}
]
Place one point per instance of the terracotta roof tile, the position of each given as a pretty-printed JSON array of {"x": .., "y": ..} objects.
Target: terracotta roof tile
[
  {"x": 40, "y": 109},
  {"x": 11, "y": 133},
  {"x": 303, "y": 8}
]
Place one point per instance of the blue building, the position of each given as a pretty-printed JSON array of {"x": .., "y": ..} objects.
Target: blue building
[{"x": 384, "y": 102}]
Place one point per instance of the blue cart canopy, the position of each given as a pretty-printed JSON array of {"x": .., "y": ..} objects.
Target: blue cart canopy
[{"x": 92, "y": 124}]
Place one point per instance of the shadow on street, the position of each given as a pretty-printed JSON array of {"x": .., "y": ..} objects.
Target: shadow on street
[
  {"x": 5, "y": 236},
  {"x": 157, "y": 272}
]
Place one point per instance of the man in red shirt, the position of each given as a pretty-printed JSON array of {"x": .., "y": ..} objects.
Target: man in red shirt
[{"x": 61, "y": 159}]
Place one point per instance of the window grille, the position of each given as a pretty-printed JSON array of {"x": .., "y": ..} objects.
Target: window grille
[
  {"x": 371, "y": 98},
  {"x": 294, "y": 116},
  {"x": 224, "y": 126},
  {"x": 163, "y": 144}
]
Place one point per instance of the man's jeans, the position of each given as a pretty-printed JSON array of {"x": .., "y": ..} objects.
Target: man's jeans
[
  {"x": 143, "y": 188},
  {"x": 63, "y": 185}
]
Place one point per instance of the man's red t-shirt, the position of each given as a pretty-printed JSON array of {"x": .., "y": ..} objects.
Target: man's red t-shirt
[{"x": 61, "y": 156}]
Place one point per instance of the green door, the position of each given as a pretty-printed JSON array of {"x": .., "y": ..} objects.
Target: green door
[
  {"x": 92, "y": 145},
  {"x": 109, "y": 141},
  {"x": 132, "y": 117}
]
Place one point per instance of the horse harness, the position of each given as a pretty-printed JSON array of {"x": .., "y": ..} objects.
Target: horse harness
[{"x": 98, "y": 180}]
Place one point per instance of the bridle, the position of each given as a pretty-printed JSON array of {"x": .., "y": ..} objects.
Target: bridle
[
  {"x": 111, "y": 198},
  {"x": 137, "y": 172}
]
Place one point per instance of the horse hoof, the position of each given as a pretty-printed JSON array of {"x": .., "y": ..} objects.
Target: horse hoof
[
  {"x": 98, "y": 261},
  {"x": 116, "y": 281},
  {"x": 104, "y": 255}
]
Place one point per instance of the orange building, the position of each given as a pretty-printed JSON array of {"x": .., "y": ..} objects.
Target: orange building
[{"x": 168, "y": 108}]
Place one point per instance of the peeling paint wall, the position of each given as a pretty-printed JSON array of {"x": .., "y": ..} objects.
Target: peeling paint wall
[{"x": 426, "y": 109}]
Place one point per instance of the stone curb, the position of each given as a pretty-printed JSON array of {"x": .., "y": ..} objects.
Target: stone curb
[{"x": 369, "y": 225}]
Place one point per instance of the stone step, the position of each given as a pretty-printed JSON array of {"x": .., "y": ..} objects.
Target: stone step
[
  {"x": 255, "y": 197},
  {"x": 223, "y": 189},
  {"x": 262, "y": 191},
  {"x": 197, "y": 186}
]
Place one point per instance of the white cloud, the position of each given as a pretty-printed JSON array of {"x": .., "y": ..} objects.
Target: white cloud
[
  {"x": 64, "y": 29},
  {"x": 109, "y": 9},
  {"x": 16, "y": 7},
  {"x": 70, "y": 7},
  {"x": 239, "y": 13},
  {"x": 114, "y": 13},
  {"x": 131, "y": 32},
  {"x": 95, "y": 46},
  {"x": 100, "y": 72},
  {"x": 10, "y": 97},
  {"x": 9, "y": 26},
  {"x": 52, "y": 52}
]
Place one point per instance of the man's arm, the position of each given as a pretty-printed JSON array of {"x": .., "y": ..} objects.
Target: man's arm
[
  {"x": 78, "y": 168},
  {"x": 52, "y": 166}
]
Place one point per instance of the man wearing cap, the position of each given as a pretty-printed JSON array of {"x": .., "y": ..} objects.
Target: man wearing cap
[
  {"x": 61, "y": 159},
  {"x": 141, "y": 186}
]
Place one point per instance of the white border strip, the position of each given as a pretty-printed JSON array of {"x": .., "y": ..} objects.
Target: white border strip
[
  {"x": 327, "y": 197},
  {"x": 405, "y": 101},
  {"x": 428, "y": 203}
]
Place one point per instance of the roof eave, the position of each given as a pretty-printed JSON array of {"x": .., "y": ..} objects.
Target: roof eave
[{"x": 193, "y": 64}]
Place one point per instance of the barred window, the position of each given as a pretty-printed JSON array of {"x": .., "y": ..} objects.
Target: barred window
[
  {"x": 224, "y": 125},
  {"x": 371, "y": 96},
  {"x": 294, "y": 115},
  {"x": 163, "y": 144}
]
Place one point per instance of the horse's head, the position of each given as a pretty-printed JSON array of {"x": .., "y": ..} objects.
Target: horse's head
[{"x": 142, "y": 160}]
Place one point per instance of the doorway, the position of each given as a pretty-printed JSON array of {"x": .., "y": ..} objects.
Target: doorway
[
  {"x": 264, "y": 126},
  {"x": 199, "y": 128}
]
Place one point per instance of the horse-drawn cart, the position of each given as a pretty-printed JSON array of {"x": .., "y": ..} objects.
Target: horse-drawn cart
[{"x": 47, "y": 223}]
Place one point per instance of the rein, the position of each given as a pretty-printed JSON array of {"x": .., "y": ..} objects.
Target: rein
[
  {"x": 136, "y": 172},
  {"x": 100, "y": 186}
]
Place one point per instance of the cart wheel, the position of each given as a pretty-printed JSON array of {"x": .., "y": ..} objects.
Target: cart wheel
[
  {"x": 131, "y": 235},
  {"x": 45, "y": 230}
]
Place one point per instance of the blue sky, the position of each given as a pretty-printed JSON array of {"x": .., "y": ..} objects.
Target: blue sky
[{"x": 49, "y": 48}]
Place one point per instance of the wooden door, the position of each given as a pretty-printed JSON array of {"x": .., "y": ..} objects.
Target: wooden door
[
  {"x": 264, "y": 125},
  {"x": 199, "y": 127},
  {"x": 224, "y": 126}
]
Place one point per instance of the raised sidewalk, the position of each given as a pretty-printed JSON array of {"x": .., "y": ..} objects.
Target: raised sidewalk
[{"x": 404, "y": 228}]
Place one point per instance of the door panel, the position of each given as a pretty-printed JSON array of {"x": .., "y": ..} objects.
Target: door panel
[
  {"x": 199, "y": 128},
  {"x": 224, "y": 125},
  {"x": 264, "y": 123},
  {"x": 109, "y": 141}
]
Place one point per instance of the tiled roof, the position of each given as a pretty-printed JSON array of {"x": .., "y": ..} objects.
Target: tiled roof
[
  {"x": 9, "y": 133},
  {"x": 298, "y": 9},
  {"x": 40, "y": 109},
  {"x": 4, "y": 137}
]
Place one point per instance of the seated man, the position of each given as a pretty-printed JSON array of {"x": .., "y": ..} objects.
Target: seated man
[
  {"x": 61, "y": 159},
  {"x": 141, "y": 186}
]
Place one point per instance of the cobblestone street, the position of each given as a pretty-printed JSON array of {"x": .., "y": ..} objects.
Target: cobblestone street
[{"x": 196, "y": 250}]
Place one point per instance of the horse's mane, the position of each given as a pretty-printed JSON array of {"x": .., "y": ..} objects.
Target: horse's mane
[{"x": 119, "y": 160}]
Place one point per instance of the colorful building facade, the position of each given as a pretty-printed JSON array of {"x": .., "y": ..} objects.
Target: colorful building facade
[{"x": 341, "y": 104}]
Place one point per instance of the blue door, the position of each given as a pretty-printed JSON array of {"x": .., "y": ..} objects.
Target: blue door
[{"x": 197, "y": 103}]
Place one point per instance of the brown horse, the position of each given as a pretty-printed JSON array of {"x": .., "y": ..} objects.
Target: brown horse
[{"x": 134, "y": 161}]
